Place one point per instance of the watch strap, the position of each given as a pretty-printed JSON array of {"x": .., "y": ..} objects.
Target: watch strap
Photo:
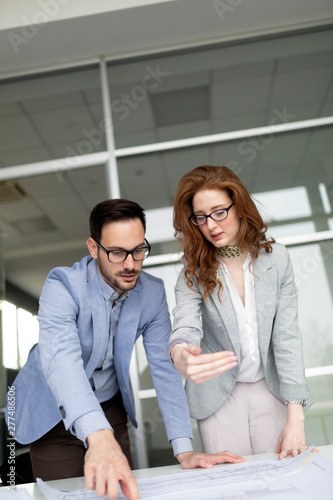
[{"x": 299, "y": 402}]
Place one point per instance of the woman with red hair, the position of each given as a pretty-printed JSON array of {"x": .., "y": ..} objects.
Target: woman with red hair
[{"x": 235, "y": 333}]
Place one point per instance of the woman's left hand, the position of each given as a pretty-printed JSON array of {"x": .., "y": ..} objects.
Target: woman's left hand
[
  {"x": 292, "y": 437},
  {"x": 291, "y": 440}
]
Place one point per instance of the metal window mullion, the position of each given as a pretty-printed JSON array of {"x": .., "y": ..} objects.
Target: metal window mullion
[
  {"x": 139, "y": 447},
  {"x": 18, "y": 358},
  {"x": 319, "y": 371},
  {"x": 111, "y": 168},
  {"x": 110, "y": 157},
  {"x": 57, "y": 167},
  {"x": 224, "y": 136}
]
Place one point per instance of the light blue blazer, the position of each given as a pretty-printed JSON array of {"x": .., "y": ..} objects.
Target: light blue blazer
[
  {"x": 213, "y": 326},
  {"x": 73, "y": 338}
]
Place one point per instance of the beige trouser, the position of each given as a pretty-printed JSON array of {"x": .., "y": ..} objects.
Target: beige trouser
[{"x": 248, "y": 422}]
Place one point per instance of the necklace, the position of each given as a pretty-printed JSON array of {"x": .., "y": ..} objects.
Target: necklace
[{"x": 229, "y": 251}]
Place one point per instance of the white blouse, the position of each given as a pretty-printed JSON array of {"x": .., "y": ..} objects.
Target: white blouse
[{"x": 250, "y": 364}]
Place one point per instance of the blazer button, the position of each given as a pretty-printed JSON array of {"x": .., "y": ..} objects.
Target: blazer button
[{"x": 62, "y": 411}]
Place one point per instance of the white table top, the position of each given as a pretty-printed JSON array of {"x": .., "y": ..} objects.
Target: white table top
[{"x": 78, "y": 483}]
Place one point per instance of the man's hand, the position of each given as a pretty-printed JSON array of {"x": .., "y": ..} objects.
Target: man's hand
[
  {"x": 192, "y": 460},
  {"x": 106, "y": 466},
  {"x": 201, "y": 367}
]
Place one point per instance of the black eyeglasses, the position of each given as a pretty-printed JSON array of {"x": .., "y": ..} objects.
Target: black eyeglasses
[
  {"x": 217, "y": 215},
  {"x": 117, "y": 255}
]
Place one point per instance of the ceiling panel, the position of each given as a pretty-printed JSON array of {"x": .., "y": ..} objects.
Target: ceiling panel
[
  {"x": 142, "y": 179},
  {"x": 241, "y": 121},
  {"x": 93, "y": 195},
  {"x": 140, "y": 137},
  {"x": 186, "y": 105},
  {"x": 68, "y": 205},
  {"x": 90, "y": 141},
  {"x": 88, "y": 178},
  {"x": 131, "y": 108},
  {"x": 177, "y": 163},
  {"x": 296, "y": 87},
  {"x": 281, "y": 149},
  {"x": 326, "y": 109},
  {"x": 19, "y": 156},
  {"x": 310, "y": 58},
  {"x": 49, "y": 102},
  {"x": 31, "y": 242},
  {"x": 72, "y": 225},
  {"x": 97, "y": 112},
  {"x": 23, "y": 209},
  {"x": 180, "y": 78},
  {"x": 248, "y": 95},
  {"x": 17, "y": 132},
  {"x": 237, "y": 72},
  {"x": 232, "y": 155},
  {"x": 184, "y": 130},
  {"x": 299, "y": 112},
  {"x": 64, "y": 124},
  {"x": 320, "y": 145},
  {"x": 45, "y": 185},
  {"x": 10, "y": 108}
]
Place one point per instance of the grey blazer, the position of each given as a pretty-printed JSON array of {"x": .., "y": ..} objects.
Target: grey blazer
[{"x": 212, "y": 325}]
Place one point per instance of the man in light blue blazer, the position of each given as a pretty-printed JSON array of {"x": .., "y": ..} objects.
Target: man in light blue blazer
[{"x": 73, "y": 396}]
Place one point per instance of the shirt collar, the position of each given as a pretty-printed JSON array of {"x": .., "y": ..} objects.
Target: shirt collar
[
  {"x": 246, "y": 263},
  {"x": 108, "y": 292}
]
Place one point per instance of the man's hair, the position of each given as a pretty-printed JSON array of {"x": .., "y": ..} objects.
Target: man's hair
[{"x": 114, "y": 211}]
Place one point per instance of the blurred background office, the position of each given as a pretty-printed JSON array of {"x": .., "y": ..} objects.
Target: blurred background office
[{"x": 120, "y": 99}]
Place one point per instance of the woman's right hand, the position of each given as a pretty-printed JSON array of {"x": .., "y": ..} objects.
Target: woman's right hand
[{"x": 201, "y": 367}]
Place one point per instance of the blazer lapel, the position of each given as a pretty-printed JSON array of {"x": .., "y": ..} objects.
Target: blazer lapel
[
  {"x": 265, "y": 291},
  {"x": 226, "y": 311},
  {"x": 100, "y": 328}
]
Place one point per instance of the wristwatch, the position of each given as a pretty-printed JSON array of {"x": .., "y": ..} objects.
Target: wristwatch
[{"x": 302, "y": 402}]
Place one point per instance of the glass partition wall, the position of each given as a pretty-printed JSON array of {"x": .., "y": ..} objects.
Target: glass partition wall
[{"x": 132, "y": 128}]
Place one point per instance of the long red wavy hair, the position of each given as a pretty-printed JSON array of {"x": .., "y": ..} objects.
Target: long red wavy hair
[{"x": 200, "y": 254}]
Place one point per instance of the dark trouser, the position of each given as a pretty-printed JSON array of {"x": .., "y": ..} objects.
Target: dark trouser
[{"x": 59, "y": 455}]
